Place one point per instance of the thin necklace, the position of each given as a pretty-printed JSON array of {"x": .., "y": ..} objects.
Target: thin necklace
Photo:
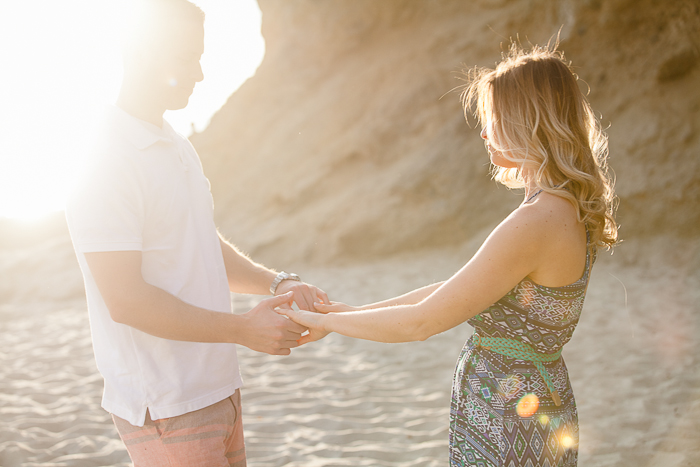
[{"x": 530, "y": 198}]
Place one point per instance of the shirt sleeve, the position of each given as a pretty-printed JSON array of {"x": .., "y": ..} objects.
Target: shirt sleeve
[{"x": 106, "y": 210}]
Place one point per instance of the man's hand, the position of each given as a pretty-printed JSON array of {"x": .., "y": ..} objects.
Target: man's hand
[
  {"x": 304, "y": 294},
  {"x": 268, "y": 332}
]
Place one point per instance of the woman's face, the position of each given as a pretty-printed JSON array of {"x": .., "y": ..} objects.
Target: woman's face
[{"x": 495, "y": 155}]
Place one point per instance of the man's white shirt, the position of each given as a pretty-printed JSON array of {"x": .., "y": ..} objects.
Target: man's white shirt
[{"x": 143, "y": 189}]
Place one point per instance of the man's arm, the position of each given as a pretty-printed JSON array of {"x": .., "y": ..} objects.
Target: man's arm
[
  {"x": 247, "y": 276},
  {"x": 133, "y": 302}
]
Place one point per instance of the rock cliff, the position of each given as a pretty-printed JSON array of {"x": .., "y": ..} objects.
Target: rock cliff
[{"x": 348, "y": 142}]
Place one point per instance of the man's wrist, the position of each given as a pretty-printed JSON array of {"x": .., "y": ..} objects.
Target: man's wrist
[
  {"x": 282, "y": 276},
  {"x": 235, "y": 329}
]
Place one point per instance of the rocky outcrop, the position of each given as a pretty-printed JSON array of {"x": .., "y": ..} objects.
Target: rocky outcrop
[{"x": 350, "y": 142}]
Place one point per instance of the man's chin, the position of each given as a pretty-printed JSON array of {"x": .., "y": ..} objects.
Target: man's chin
[
  {"x": 179, "y": 103},
  {"x": 174, "y": 107}
]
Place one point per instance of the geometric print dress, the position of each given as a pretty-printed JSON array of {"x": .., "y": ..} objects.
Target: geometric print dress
[{"x": 502, "y": 413}]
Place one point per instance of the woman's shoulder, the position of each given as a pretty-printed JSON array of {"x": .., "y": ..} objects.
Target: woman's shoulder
[
  {"x": 547, "y": 210},
  {"x": 545, "y": 221}
]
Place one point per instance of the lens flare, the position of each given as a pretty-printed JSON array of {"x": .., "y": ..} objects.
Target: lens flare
[
  {"x": 527, "y": 405},
  {"x": 543, "y": 419},
  {"x": 567, "y": 441}
]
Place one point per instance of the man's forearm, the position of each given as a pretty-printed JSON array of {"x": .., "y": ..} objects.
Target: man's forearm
[
  {"x": 245, "y": 275},
  {"x": 156, "y": 312},
  {"x": 133, "y": 302}
]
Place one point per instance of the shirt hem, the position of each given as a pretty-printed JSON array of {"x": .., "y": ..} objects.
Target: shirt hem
[{"x": 174, "y": 410}]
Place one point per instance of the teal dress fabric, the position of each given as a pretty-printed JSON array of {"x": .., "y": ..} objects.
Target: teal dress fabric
[{"x": 491, "y": 419}]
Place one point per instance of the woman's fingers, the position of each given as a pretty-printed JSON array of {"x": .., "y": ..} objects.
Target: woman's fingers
[
  {"x": 305, "y": 340},
  {"x": 311, "y": 337},
  {"x": 296, "y": 316},
  {"x": 307, "y": 319}
]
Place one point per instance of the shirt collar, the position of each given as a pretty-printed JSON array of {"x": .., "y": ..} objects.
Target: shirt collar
[{"x": 138, "y": 132}]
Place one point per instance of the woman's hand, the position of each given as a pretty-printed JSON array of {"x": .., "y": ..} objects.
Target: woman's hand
[
  {"x": 314, "y": 322},
  {"x": 335, "y": 307}
]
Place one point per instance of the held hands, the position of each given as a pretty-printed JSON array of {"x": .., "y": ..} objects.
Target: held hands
[
  {"x": 315, "y": 322},
  {"x": 269, "y": 332},
  {"x": 305, "y": 295}
]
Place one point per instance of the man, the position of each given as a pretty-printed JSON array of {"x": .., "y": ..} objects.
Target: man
[{"x": 158, "y": 275}]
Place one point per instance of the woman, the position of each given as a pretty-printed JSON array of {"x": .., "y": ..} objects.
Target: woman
[{"x": 523, "y": 291}]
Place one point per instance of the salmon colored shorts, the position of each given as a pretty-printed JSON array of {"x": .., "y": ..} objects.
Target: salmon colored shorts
[{"x": 210, "y": 437}]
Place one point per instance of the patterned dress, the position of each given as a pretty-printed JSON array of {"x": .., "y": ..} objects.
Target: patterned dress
[{"x": 493, "y": 421}]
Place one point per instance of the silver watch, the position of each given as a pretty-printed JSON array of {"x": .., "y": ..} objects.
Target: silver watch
[{"x": 282, "y": 276}]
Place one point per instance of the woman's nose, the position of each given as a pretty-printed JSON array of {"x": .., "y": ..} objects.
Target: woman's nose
[{"x": 483, "y": 133}]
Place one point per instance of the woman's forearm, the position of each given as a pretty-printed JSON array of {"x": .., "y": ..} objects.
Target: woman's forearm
[
  {"x": 410, "y": 298},
  {"x": 402, "y": 323},
  {"x": 400, "y": 319}
]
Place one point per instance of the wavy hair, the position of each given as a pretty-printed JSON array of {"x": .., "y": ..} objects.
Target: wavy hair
[{"x": 542, "y": 122}]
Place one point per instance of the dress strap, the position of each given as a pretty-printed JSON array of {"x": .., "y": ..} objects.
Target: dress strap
[{"x": 590, "y": 257}]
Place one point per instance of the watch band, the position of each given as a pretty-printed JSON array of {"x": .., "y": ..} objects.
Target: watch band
[{"x": 282, "y": 276}]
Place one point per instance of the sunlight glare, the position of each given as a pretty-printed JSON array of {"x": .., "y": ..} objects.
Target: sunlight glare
[{"x": 66, "y": 65}]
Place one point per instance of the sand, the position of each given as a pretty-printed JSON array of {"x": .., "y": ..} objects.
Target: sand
[
  {"x": 634, "y": 365},
  {"x": 342, "y": 149}
]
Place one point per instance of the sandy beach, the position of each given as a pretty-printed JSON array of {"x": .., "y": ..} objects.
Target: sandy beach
[
  {"x": 346, "y": 159},
  {"x": 633, "y": 361}
]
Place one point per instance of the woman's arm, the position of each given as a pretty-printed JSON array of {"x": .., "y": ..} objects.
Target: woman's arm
[
  {"x": 409, "y": 298},
  {"x": 511, "y": 252}
]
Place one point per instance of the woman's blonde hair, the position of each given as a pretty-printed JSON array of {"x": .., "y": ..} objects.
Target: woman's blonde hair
[{"x": 542, "y": 122}]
